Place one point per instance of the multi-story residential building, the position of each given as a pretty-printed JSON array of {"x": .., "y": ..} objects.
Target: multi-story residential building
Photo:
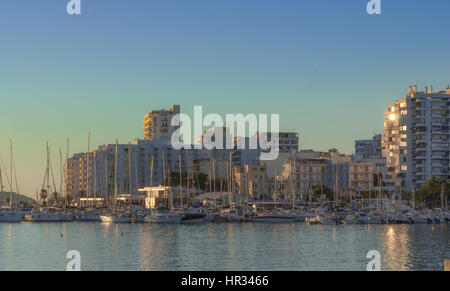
[
  {"x": 360, "y": 177},
  {"x": 300, "y": 176},
  {"x": 288, "y": 148},
  {"x": 157, "y": 123},
  {"x": 151, "y": 163},
  {"x": 251, "y": 180},
  {"x": 369, "y": 151},
  {"x": 338, "y": 173},
  {"x": 217, "y": 137},
  {"x": 369, "y": 148},
  {"x": 415, "y": 140},
  {"x": 288, "y": 141}
]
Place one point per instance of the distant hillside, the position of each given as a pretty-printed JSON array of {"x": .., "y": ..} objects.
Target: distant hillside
[{"x": 4, "y": 197}]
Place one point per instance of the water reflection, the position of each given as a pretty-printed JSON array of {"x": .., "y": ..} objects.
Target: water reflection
[
  {"x": 222, "y": 246},
  {"x": 396, "y": 248}
]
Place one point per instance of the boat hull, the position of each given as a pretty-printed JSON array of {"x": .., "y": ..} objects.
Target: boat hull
[
  {"x": 168, "y": 219},
  {"x": 115, "y": 219},
  {"x": 274, "y": 219},
  {"x": 88, "y": 217},
  {"x": 10, "y": 218},
  {"x": 193, "y": 218},
  {"x": 42, "y": 217}
]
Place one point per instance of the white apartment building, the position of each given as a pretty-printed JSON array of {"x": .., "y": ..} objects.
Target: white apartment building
[
  {"x": 415, "y": 140},
  {"x": 369, "y": 151},
  {"x": 251, "y": 180},
  {"x": 368, "y": 148},
  {"x": 157, "y": 123},
  {"x": 288, "y": 141},
  {"x": 149, "y": 163},
  {"x": 338, "y": 172}
]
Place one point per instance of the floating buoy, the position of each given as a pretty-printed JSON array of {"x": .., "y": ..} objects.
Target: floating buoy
[
  {"x": 277, "y": 230},
  {"x": 432, "y": 228},
  {"x": 61, "y": 235},
  {"x": 121, "y": 234},
  {"x": 173, "y": 233}
]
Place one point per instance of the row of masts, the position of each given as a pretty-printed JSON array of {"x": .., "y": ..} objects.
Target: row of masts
[
  {"x": 190, "y": 179},
  {"x": 11, "y": 178},
  {"x": 12, "y": 175}
]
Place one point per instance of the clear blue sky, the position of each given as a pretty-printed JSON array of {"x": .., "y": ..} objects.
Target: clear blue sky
[{"x": 326, "y": 66}]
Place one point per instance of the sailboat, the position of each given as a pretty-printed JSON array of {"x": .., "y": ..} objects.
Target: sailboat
[
  {"x": 116, "y": 217},
  {"x": 275, "y": 216},
  {"x": 161, "y": 215},
  {"x": 44, "y": 214},
  {"x": 9, "y": 215}
]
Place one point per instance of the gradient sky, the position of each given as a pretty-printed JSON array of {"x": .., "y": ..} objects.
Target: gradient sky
[{"x": 327, "y": 67}]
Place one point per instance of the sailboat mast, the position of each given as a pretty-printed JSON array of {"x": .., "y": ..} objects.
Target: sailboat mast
[
  {"x": 1, "y": 181},
  {"x": 48, "y": 171},
  {"x": 151, "y": 172},
  {"x": 60, "y": 172},
  {"x": 95, "y": 179},
  {"x": 115, "y": 176},
  {"x": 230, "y": 192},
  {"x": 87, "y": 165},
  {"x": 65, "y": 172},
  {"x": 129, "y": 170},
  {"x": 11, "y": 173},
  {"x": 181, "y": 181}
]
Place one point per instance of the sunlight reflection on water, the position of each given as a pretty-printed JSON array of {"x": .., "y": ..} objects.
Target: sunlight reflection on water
[{"x": 248, "y": 246}]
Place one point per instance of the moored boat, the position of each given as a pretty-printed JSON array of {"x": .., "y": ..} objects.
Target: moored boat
[{"x": 274, "y": 217}]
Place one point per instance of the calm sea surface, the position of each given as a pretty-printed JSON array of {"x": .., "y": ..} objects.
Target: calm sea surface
[{"x": 246, "y": 246}]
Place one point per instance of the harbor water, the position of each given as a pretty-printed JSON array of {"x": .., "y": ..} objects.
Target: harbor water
[{"x": 226, "y": 246}]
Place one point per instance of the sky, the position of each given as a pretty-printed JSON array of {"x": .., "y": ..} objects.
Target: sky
[{"x": 327, "y": 67}]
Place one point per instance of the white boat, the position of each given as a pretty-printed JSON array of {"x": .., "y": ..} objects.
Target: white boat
[
  {"x": 351, "y": 219},
  {"x": 88, "y": 216},
  {"x": 10, "y": 216},
  {"x": 65, "y": 217},
  {"x": 373, "y": 219},
  {"x": 275, "y": 217},
  {"x": 321, "y": 219},
  {"x": 42, "y": 216},
  {"x": 218, "y": 217},
  {"x": 421, "y": 218},
  {"x": 299, "y": 216},
  {"x": 163, "y": 217},
  {"x": 327, "y": 220},
  {"x": 233, "y": 217},
  {"x": 313, "y": 220},
  {"x": 116, "y": 218}
]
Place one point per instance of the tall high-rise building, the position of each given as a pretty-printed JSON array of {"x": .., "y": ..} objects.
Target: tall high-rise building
[
  {"x": 415, "y": 140},
  {"x": 157, "y": 123}
]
